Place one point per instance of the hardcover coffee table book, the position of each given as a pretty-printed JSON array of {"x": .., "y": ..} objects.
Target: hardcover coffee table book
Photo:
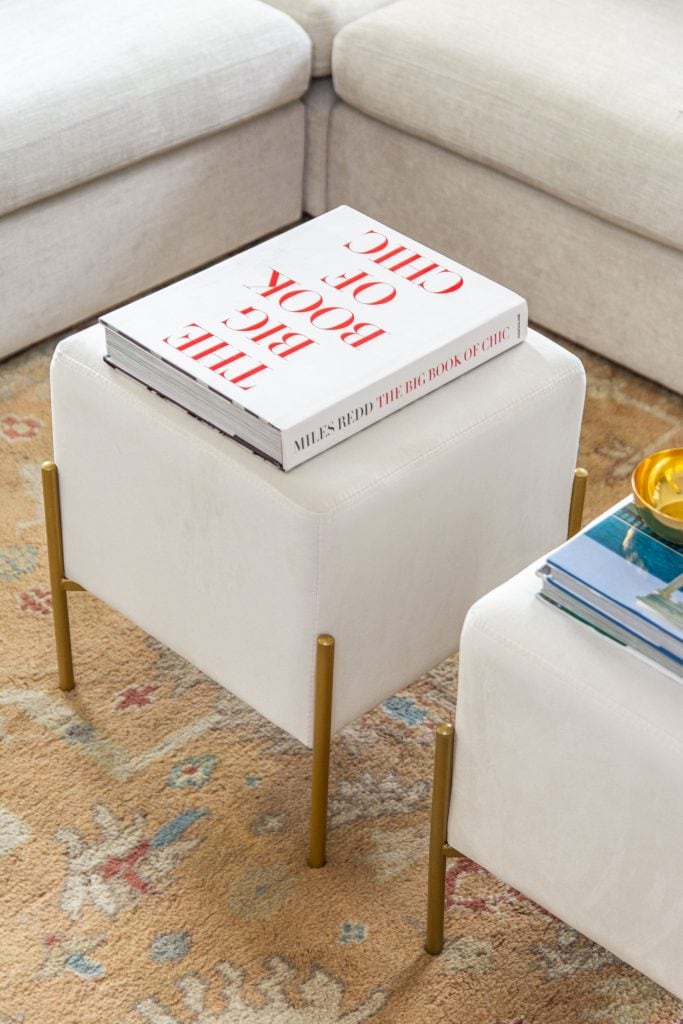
[
  {"x": 623, "y": 579},
  {"x": 297, "y": 343}
]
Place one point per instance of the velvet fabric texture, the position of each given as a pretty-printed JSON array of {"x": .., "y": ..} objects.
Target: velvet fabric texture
[
  {"x": 569, "y": 772},
  {"x": 238, "y": 566}
]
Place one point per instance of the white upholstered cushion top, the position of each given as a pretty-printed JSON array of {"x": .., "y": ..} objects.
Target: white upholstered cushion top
[
  {"x": 395, "y": 446},
  {"x": 89, "y": 87},
  {"x": 583, "y": 100},
  {"x": 569, "y": 772},
  {"x": 322, "y": 19}
]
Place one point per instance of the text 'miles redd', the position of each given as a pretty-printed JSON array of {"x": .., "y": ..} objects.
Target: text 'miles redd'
[{"x": 303, "y": 340}]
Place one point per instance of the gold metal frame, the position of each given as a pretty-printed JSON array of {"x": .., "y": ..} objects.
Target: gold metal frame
[
  {"x": 59, "y": 584},
  {"x": 577, "y": 501},
  {"x": 439, "y": 849},
  {"x": 322, "y": 726}
]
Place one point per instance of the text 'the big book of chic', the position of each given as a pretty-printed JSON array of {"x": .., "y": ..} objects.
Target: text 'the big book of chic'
[{"x": 301, "y": 341}]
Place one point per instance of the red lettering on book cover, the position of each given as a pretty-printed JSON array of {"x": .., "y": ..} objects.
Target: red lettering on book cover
[
  {"x": 387, "y": 291},
  {"x": 274, "y": 346},
  {"x": 274, "y": 286},
  {"x": 361, "y": 337},
  {"x": 184, "y": 341},
  {"x": 314, "y": 310},
  {"x": 368, "y": 247},
  {"x": 495, "y": 339},
  {"x": 188, "y": 341}
]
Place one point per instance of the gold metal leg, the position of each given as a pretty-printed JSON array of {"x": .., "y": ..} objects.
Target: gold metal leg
[
  {"x": 324, "y": 671},
  {"x": 577, "y": 501},
  {"x": 438, "y": 849},
  {"x": 58, "y": 585}
]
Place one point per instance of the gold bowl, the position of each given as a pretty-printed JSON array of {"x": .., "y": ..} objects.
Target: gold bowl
[{"x": 657, "y": 485}]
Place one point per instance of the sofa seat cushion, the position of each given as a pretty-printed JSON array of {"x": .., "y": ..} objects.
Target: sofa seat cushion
[
  {"x": 87, "y": 88},
  {"x": 581, "y": 100},
  {"x": 322, "y": 19}
]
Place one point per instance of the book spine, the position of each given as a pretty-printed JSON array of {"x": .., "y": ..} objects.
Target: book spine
[
  {"x": 390, "y": 393},
  {"x": 607, "y": 624}
]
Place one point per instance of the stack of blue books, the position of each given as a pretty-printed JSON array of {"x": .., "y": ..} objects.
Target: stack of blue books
[{"x": 625, "y": 581}]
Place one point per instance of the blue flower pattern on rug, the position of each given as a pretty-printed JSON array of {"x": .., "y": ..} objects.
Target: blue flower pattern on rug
[
  {"x": 173, "y": 829},
  {"x": 73, "y": 954},
  {"x": 17, "y": 560},
  {"x": 79, "y": 964},
  {"x": 79, "y": 732},
  {"x": 192, "y": 772},
  {"x": 171, "y": 947},
  {"x": 123, "y": 864},
  {"x": 405, "y": 710},
  {"x": 352, "y": 932}
]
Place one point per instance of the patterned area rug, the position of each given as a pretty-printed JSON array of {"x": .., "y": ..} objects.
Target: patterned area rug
[{"x": 153, "y": 828}]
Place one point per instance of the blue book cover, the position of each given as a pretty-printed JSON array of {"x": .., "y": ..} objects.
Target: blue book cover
[{"x": 624, "y": 570}]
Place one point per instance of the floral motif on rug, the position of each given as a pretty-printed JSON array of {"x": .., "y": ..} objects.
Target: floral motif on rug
[{"x": 153, "y": 828}]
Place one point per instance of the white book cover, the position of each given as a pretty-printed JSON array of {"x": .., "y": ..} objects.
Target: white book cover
[{"x": 318, "y": 331}]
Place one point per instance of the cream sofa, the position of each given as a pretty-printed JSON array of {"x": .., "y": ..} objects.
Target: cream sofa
[
  {"x": 139, "y": 141},
  {"x": 567, "y": 780},
  {"x": 540, "y": 143}
]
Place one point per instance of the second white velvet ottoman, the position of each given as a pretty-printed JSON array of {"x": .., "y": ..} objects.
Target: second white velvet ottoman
[
  {"x": 568, "y": 775},
  {"x": 383, "y": 541}
]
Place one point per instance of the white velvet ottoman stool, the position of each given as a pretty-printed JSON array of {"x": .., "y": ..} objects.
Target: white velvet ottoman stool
[
  {"x": 567, "y": 778},
  {"x": 380, "y": 544}
]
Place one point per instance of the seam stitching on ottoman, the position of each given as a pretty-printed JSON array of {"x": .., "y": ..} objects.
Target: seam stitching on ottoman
[
  {"x": 455, "y": 438},
  {"x": 607, "y": 702},
  {"x": 215, "y": 456},
  {"x": 316, "y": 631},
  {"x": 363, "y": 492}
]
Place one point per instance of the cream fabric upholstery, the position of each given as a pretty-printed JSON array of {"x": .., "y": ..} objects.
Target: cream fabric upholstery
[
  {"x": 322, "y": 19},
  {"x": 86, "y": 88},
  {"x": 95, "y": 246},
  {"x": 319, "y": 101},
  {"x": 384, "y": 540},
  {"x": 568, "y": 775},
  {"x": 604, "y": 287},
  {"x": 582, "y": 100}
]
